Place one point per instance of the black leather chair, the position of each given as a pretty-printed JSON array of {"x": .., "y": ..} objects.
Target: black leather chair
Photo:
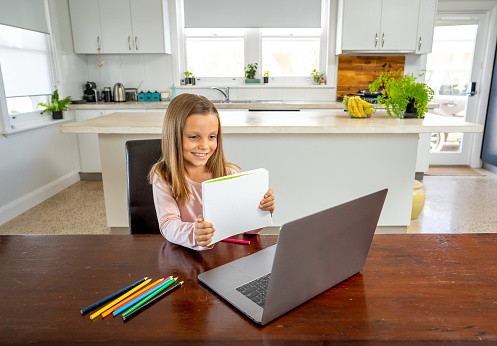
[{"x": 140, "y": 156}]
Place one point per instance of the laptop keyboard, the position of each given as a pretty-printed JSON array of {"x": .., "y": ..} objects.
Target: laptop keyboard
[{"x": 256, "y": 290}]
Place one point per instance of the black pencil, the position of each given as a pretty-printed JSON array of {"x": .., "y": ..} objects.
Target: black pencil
[
  {"x": 151, "y": 301},
  {"x": 94, "y": 305}
]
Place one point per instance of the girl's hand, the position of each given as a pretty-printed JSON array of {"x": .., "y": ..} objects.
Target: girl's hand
[
  {"x": 203, "y": 231},
  {"x": 268, "y": 202}
]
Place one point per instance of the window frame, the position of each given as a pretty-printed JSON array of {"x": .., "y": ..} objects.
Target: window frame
[
  {"x": 252, "y": 54},
  {"x": 13, "y": 124}
]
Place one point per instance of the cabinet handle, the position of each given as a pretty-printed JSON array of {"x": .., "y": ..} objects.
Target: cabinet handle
[
  {"x": 376, "y": 40},
  {"x": 129, "y": 42},
  {"x": 419, "y": 45},
  {"x": 383, "y": 39},
  {"x": 136, "y": 43},
  {"x": 98, "y": 42}
]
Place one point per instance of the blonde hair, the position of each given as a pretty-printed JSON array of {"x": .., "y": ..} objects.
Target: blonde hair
[{"x": 170, "y": 168}]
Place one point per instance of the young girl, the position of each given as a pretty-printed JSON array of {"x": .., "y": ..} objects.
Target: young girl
[{"x": 192, "y": 153}]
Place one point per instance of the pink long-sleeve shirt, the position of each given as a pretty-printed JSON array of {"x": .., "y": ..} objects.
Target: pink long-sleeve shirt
[{"x": 177, "y": 222}]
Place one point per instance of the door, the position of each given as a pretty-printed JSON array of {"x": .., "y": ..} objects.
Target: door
[
  {"x": 489, "y": 150},
  {"x": 452, "y": 69}
]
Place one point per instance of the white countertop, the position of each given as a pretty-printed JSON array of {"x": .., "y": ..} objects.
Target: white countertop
[
  {"x": 235, "y": 105},
  {"x": 247, "y": 122}
]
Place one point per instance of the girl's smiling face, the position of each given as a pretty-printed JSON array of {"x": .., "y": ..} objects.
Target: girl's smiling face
[{"x": 199, "y": 139}]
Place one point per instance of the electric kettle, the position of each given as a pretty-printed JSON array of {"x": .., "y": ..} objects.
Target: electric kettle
[{"x": 119, "y": 93}]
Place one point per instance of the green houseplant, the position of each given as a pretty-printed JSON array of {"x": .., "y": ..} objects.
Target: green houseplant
[
  {"x": 403, "y": 96},
  {"x": 316, "y": 75},
  {"x": 56, "y": 105},
  {"x": 266, "y": 76},
  {"x": 188, "y": 77},
  {"x": 250, "y": 71}
]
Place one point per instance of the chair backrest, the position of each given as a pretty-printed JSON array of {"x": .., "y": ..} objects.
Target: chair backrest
[{"x": 140, "y": 156}]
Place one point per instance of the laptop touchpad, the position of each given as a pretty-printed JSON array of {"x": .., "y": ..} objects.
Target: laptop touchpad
[{"x": 258, "y": 264}]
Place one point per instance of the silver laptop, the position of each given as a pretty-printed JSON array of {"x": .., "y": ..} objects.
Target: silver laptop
[{"x": 312, "y": 254}]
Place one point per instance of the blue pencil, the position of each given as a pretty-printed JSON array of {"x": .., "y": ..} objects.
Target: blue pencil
[
  {"x": 112, "y": 296},
  {"x": 140, "y": 297}
]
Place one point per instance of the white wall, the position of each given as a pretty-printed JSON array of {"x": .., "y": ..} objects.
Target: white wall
[{"x": 40, "y": 163}]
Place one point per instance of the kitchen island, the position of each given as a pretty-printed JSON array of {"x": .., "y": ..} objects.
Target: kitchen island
[{"x": 315, "y": 159}]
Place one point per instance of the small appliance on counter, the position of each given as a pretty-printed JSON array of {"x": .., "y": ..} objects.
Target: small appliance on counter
[
  {"x": 106, "y": 95},
  {"x": 364, "y": 94},
  {"x": 131, "y": 94},
  {"x": 119, "y": 93},
  {"x": 78, "y": 102},
  {"x": 91, "y": 94}
]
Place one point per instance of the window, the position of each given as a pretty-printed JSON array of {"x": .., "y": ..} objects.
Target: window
[
  {"x": 219, "y": 54},
  {"x": 290, "y": 52},
  {"x": 26, "y": 72},
  {"x": 215, "y": 52}
]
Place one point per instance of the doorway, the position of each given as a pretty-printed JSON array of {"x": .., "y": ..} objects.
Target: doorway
[{"x": 453, "y": 72}]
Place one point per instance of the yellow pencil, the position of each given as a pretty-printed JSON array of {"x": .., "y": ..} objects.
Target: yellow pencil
[
  {"x": 115, "y": 307},
  {"x": 127, "y": 294}
]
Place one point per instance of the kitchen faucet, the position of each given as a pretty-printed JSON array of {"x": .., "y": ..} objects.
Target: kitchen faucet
[{"x": 225, "y": 93}]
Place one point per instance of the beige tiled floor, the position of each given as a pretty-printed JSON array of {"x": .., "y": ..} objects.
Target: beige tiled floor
[{"x": 454, "y": 204}]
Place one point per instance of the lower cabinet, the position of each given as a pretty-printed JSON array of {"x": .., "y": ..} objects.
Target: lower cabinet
[
  {"x": 89, "y": 154},
  {"x": 89, "y": 151}
]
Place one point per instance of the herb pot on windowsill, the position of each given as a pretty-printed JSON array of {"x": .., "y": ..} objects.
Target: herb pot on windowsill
[
  {"x": 57, "y": 115},
  {"x": 266, "y": 80}
]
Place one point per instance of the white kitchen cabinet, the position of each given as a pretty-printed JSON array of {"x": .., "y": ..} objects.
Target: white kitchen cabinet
[
  {"x": 86, "y": 30},
  {"x": 377, "y": 26},
  {"x": 131, "y": 26},
  {"x": 426, "y": 25},
  {"x": 89, "y": 151}
]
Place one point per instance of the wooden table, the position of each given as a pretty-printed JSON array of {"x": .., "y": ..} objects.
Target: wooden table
[{"x": 431, "y": 289}]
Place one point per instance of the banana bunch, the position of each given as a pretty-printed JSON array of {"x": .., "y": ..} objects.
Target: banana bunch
[{"x": 357, "y": 107}]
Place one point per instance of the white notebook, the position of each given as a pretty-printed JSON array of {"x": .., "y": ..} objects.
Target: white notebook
[{"x": 231, "y": 203}]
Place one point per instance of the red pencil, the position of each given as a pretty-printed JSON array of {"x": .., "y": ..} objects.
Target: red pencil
[{"x": 246, "y": 242}]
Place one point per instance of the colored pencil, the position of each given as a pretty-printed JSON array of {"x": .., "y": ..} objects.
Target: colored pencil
[
  {"x": 237, "y": 241},
  {"x": 150, "y": 296},
  {"x": 150, "y": 302},
  {"x": 121, "y": 298},
  {"x": 127, "y": 300},
  {"x": 112, "y": 296},
  {"x": 139, "y": 298},
  {"x": 142, "y": 291}
]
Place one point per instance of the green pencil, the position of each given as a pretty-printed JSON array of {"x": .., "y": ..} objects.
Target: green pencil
[
  {"x": 152, "y": 301},
  {"x": 146, "y": 299}
]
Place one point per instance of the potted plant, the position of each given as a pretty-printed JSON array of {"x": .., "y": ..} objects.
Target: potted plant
[
  {"x": 188, "y": 80},
  {"x": 266, "y": 76},
  {"x": 403, "y": 95},
  {"x": 250, "y": 72},
  {"x": 317, "y": 76},
  {"x": 56, "y": 105}
]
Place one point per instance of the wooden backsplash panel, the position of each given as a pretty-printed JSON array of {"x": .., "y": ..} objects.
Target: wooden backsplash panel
[{"x": 357, "y": 72}]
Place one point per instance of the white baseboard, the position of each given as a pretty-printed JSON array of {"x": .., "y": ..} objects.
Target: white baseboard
[
  {"x": 489, "y": 167},
  {"x": 26, "y": 202}
]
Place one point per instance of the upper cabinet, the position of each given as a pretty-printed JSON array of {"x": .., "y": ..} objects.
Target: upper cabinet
[
  {"x": 85, "y": 22},
  {"x": 120, "y": 27},
  {"x": 383, "y": 26},
  {"x": 426, "y": 24}
]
